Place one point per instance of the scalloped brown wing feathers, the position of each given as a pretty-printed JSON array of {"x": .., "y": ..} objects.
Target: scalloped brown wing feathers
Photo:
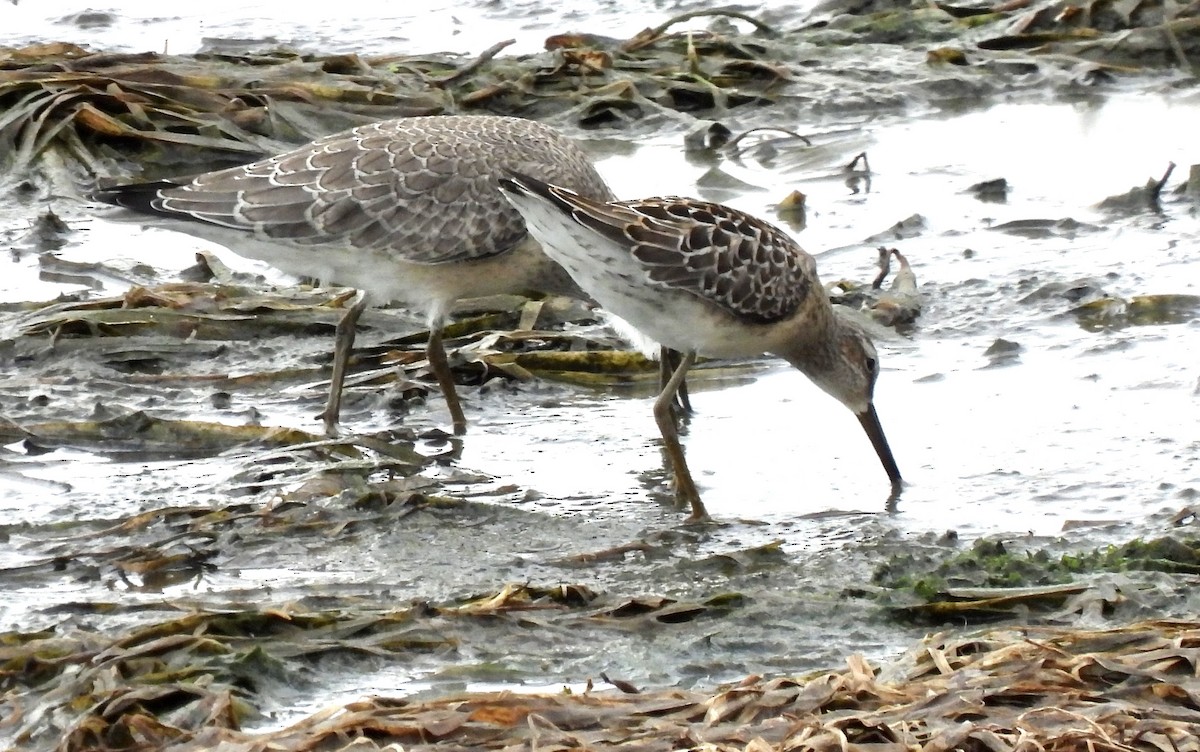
[{"x": 744, "y": 265}]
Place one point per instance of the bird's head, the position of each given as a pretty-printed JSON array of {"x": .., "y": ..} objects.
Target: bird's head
[{"x": 846, "y": 366}]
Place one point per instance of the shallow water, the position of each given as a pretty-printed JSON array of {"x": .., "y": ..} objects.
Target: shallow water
[
  {"x": 374, "y": 27},
  {"x": 1081, "y": 425},
  {"x": 1084, "y": 425},
  {"x": 1087, "y": 434}
]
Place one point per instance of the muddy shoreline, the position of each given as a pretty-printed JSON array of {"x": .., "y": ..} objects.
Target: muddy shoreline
[{"x": 184, "y": 556}]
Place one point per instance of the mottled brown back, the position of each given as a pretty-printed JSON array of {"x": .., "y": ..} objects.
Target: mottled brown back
[
  {"x": 423, "y": 189},
  {"x": 746, "y": 266}
]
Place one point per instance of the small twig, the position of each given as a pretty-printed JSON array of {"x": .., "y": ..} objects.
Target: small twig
[
  {"x": 732, "y": 144},
  {"x": 1177, "y": 48},
  {"x": 730, "y": 12},
  {"x": 1169, "y": 30},
  {"x": 866, "y": 167},
  {"x": 1171, "y": 13},
  {"x": 649, "y": 35},
  {"x": 785, "y": 131},
  {"x": 616, "y": 553},
  {"x": 621, "y": 684},
  {"x": 885, "y": 266},
  {"x": 472, "y": 66},
  {"x": 1155, "y": 189},
  {"x": 486, "y": 93}
]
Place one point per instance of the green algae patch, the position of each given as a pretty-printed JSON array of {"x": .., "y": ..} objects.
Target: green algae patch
[
  {"x": 992, "y": 580},
  {"x": 1112, "y": 313}
]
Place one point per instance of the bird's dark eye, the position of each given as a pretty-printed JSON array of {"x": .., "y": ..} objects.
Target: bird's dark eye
[{"x": 872, "y": 365}]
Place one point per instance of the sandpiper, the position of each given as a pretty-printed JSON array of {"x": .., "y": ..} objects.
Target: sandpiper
[
  {"x": 704, "y": 278},
  {"x": 404, "y": 210}
]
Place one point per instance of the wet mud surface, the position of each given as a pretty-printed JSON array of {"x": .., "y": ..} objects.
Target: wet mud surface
[{"x": 178, "y": 535}]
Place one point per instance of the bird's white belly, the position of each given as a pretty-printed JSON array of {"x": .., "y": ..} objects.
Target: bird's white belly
[
  {"x": 382, "y": 277},
  {"x": 385, "y": 276},
  {"x": 674, "y": 318},
  {"x": 684, "y": 322}
]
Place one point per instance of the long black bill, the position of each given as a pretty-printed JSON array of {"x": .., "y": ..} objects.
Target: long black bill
[{"x": 870, "y": 424}]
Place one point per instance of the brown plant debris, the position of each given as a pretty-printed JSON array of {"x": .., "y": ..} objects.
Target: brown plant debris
[
  {"x": 897, "y": 305},
  {"x": 170, "y": 111},
  {"x": 1052, "y": 689},
  {"x": 87, "y": 108},
  {"x": 180, "y": 336}
]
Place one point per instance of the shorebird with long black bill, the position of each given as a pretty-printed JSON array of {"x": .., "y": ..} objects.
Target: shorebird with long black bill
[
  {"x": 404, "y": 210},
  {"x": 704, "y": 278}
]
